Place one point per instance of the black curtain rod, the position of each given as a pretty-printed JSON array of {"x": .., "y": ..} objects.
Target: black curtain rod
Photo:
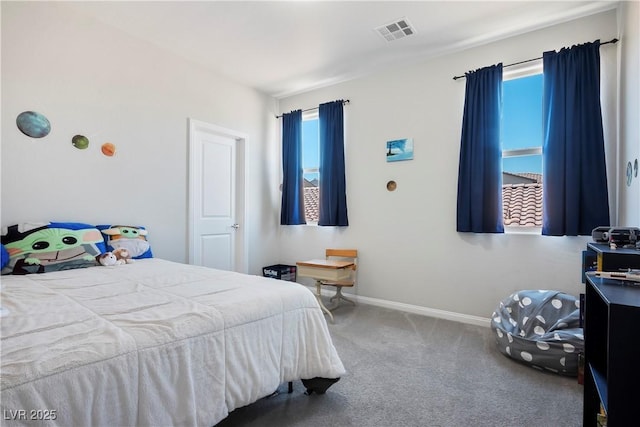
[
  {"x": 346, "y": 101},
  {"x": 531, "y": 60}
]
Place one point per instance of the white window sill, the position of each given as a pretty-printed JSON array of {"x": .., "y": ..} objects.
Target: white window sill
[{"x": 523, "y": 230}]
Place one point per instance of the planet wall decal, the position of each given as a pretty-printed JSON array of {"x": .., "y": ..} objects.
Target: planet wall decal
[
  {"x": 108, "y": 149},
  {"x": 80, "y": 142},
  {"x": 33, "y": 124}
]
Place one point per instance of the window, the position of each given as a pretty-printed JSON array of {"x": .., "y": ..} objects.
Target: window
[
  {"x": 311, "y": 165},
  {"x": 522, "y": 137}
]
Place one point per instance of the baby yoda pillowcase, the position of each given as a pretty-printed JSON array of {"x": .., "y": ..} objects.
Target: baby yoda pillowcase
[
  {"x": 131, "y": 238},
  {"x": 54, "y": 246}
]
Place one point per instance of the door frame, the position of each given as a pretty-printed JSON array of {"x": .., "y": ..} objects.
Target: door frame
[{"x": 241, "y": 248}]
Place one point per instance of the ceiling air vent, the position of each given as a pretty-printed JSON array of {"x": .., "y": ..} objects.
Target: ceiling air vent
[{"x": 396, "y": 30}]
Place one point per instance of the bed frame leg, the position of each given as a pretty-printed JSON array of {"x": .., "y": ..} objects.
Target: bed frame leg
[
  {"x": 318, "y": 385},
  {"x": 290, "y": 387}
]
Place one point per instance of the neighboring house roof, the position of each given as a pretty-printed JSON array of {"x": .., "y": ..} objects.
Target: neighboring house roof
[
  {"x": 311, "y": 206},
  {"x": 307, "y": 183},
  {"x": 537, "y": 177},
  {"x": 522, "y": 199},
  {"x": 521, "y": 178}
]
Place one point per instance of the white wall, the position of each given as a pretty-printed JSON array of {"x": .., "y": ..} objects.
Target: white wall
[
  {"x": 91, "y": 79},
  {"x": 409, "y": 250},
  {"x": 629, "y": 18}
]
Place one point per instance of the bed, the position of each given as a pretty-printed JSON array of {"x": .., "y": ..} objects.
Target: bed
[{"x": 153, "y": 343}]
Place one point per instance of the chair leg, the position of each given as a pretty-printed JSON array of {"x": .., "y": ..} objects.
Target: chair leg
[
  {"x": 340, "y": 296},
  {"x": 319, "y": 298}
]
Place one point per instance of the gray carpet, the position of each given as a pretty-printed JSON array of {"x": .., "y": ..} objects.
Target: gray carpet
[{"x": 409, "y": 370}]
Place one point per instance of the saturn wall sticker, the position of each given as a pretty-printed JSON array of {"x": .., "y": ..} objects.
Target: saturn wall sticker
[{"x": 33, "y": 124}]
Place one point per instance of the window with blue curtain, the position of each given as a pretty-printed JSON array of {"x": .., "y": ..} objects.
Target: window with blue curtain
[
  {"x": 575, "y": 198},
  {"x": 333, "y": 193},
  {"x": 292, "y": 208},
  {"x": 479, "y": 208}
]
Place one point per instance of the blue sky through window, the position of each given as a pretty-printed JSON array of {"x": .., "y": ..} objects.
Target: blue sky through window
[
  {"x": 522, "y": 122},
  {"x": 310, "y": 147}
]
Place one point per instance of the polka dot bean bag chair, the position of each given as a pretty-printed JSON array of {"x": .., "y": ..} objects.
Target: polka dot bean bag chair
[{"x": 540, "y": 328}]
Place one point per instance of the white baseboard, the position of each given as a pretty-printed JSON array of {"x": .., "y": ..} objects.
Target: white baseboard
[{"x": 416, "y": 309}]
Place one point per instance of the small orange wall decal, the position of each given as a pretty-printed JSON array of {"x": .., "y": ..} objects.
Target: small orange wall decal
[{"x": 108, "y": 149}]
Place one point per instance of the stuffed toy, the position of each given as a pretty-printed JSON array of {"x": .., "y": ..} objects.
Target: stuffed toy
[
  {"x": 122, "y": 254},
  {"x": 108, "y": 258}
]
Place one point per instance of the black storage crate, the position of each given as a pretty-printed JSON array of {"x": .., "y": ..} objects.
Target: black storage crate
[{"x": 280, "y": 271}]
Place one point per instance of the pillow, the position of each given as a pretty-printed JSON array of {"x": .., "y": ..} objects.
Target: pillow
[
  {"x": 54, "y": 246},
  {"x": 4, "y": 256},
  {"x": 129, "y": 237}
]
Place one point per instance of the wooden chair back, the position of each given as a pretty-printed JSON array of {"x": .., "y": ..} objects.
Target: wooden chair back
[{"x": 351, "y": 254}]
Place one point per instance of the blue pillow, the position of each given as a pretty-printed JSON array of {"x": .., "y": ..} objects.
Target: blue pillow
[
  {"x": 132, "y": 238},
  {"x": 54, "y": 246},
  {"x": 4, "y": 256}
]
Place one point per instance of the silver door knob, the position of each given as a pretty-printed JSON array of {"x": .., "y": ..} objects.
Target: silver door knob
[{"x": 236, "y": 226}]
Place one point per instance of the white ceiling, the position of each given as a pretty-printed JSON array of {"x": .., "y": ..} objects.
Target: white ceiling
[{"x": 287, "y": 47}]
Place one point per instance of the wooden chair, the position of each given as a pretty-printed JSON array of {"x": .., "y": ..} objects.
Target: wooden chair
[{"x": 346, "y": 255}]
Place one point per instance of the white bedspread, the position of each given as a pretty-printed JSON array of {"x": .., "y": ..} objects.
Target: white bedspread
[{"x": 154, "y": 343}]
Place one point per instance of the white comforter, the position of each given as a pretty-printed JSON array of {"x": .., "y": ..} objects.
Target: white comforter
[{"x": 153, "y": 343}]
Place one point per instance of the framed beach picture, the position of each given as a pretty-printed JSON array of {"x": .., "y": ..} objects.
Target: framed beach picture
[{"x": 400, "y": 149}]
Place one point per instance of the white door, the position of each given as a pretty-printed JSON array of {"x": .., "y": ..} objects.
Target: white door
[{"x": 216, "y": 197}]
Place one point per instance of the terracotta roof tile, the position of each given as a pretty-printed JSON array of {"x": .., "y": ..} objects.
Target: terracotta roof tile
[
  {"x": 522, "y": 204},
  {"x": 311, "y": 205}
]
